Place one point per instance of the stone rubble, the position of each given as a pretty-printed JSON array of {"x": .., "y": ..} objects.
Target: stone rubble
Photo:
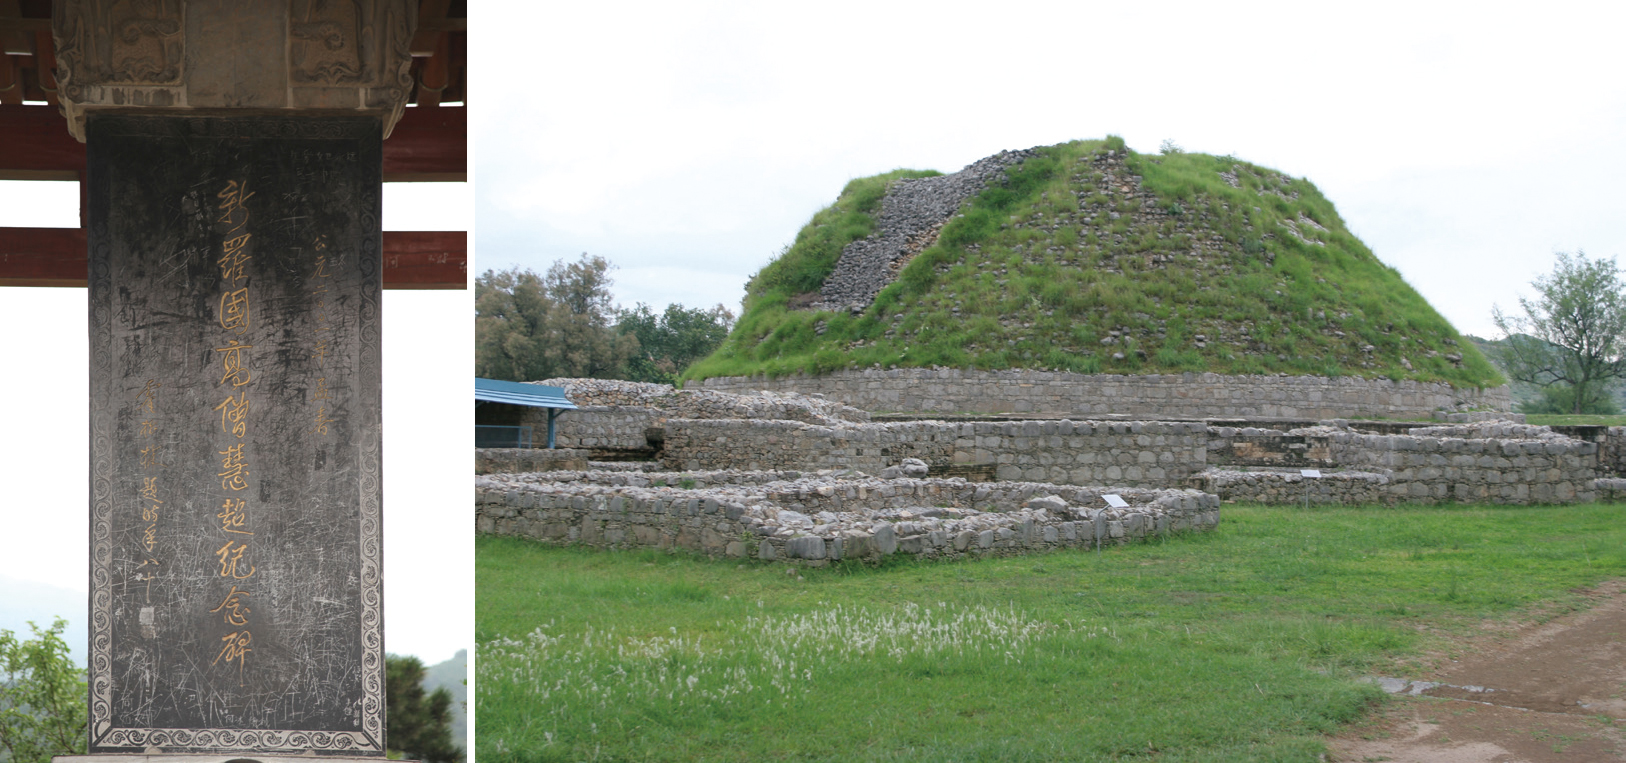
[
  {"x": 912, "y": 213},
  {"x": 707, "y": 404},
  {"x": 825, "y": 516}
]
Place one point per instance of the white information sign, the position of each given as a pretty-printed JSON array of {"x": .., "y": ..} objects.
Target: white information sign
[
  {"x": 1115, "y": 501},
  {"x": 1310, "y": 472}
]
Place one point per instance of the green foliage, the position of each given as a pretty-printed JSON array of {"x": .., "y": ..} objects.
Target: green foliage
[
  {"x": 1560, "y": 399},
  {"x": 1035, "y": 264},
  {"x": 419, "y": 724},
  {"x": 529, "y": 327},
  {"x": 1239, "y": 644},
  {"x": 1571, "y": 338},
  {"x": 668, "y": 343},
  {"x": 42, "y": 697}
]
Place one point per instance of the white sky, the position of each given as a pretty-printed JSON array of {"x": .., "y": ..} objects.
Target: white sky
[
  {"x": 687, "y": 143},
  {"x": 428, "y": 356}
]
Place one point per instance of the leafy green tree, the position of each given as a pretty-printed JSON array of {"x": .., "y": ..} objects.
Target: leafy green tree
[
  {"x": 530, "y": 326},
  {"x": 1572, "y": 335},
  {"x": 669, "y": 342},
  {"x": 419, "y": 724},
  {"x": 42, "y": 697}
]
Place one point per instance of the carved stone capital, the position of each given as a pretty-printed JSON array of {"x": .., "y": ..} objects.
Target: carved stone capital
[{"x": 333, "y": 56}]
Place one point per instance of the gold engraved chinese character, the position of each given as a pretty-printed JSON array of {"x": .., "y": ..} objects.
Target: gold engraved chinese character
[
  {"x": 148, "y": 429},
  {"x": 233, "y": 414},
  {"x": 236, "y": 648},
  {"x": 235, "y": 468},
  {"x": 234, "y": 610},
  {"x": 149, "y": 492},
  {"x": 322, "y": 420},
  {"x": 234, "y": 311},
  {"x": 320, "y": 353},
  {"x": 149, "y": 394},
  {"x": 236, "y": 370},
  {"x": 229, "y": 559},
  {"x": 234, "y": 259},
  {"x": 233, "y": 200},
  {"x": 150, "y": 456},
  {"x": 149, "y": 537},
  {"x": 232, "y": 517},
  {"x": 149, "y": 489},
  {"x": 322, "y": 392}
]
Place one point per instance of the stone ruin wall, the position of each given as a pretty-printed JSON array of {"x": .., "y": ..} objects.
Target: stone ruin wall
[
  {"x": 514, "y": 460},
  {"x": 1189, "y": 395},
  {"x": 932, "y": 519},
  {"x": 1494, "y": 461},
  {"x": 597, "y": 427},
  {"x": 1143, "y": 454}
]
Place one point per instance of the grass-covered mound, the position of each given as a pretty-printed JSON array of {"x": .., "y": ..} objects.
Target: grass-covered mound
[{"x": 1092, "y": 258}]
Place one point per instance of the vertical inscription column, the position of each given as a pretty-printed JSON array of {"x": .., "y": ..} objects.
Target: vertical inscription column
[{"x": 236, "y": 600}]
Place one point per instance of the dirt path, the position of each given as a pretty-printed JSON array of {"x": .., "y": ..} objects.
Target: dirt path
[{"x": 1549, "y": 692}]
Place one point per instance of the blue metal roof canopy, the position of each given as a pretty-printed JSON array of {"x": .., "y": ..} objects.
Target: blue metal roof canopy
[{"x": 517, "y": 393}]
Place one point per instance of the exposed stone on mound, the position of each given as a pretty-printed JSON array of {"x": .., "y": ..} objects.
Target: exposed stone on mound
[
  {"x": 912, "y": 213},
  {"x": 707, "y": 404}
]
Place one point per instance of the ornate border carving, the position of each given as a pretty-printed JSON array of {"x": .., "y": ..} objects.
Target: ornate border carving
[{"x": 103, "y": 734}]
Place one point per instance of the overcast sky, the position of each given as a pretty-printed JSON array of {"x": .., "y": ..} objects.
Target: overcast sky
[
  {"x": 428, "y": 340},
  {"x": 687, "y": 143}
]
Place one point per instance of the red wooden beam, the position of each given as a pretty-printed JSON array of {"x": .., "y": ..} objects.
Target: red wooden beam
[
  {"x": 43, "y": 256},
  {"x": 427, "y": 144},
  {"x": 35, "y": 145},
  {"x": 56, "y": 257},
  {"x": 426, "y": 259}
]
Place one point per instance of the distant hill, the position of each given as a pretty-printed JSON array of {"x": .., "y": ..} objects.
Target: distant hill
[
  {"x": 1526, "y": 393},
  {"x": 450, "y": 675},
  {"x": 1091, "y": 258},
  {"x": 26, "y": 600}
]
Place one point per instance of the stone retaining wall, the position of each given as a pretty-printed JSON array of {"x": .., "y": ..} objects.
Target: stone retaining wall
[
  {"x": 1612, "y": 453},
  {"x": 604, "y": 427},
  {"x": 512, "y": 460},
  {"x": 1432, "y": 469},
  {"x": 742, "y": 522},
  {"x": 1187, "y": 395},
  {"x": 1147, "y": 454},
  {"x": 1340, "y": 488}
]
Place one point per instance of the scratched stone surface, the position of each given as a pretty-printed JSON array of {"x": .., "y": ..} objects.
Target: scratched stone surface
[{"x": 236, "y": 599}]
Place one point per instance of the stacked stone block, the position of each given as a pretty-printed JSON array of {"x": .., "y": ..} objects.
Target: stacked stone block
[
  {"x": 512, "y": 460},
  {"x": 1277, "y": 487},
  {"x": 1433, "y": 469},
  {"x": 1134, "y": 453},
  {"x": 741, "y": 521},
  {"x": 599, "y": 427},
  {"x": 1189, "y": 395}
]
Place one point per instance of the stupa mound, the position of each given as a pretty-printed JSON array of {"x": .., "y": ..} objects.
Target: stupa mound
[{"x": 1089, "y": 258}]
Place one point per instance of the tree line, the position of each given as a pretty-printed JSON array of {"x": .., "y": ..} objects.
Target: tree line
[
  {"x": 43, "y": 712},
  {"x": 564, "y": 323}
]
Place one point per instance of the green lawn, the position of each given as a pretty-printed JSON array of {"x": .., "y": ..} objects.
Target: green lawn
[
  {"x": 1235, "y": 645},
  {"x": 1560, "y": 419}
]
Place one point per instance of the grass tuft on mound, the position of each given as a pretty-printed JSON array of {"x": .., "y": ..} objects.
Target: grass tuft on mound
[{"x": 1073, "y": 262}]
